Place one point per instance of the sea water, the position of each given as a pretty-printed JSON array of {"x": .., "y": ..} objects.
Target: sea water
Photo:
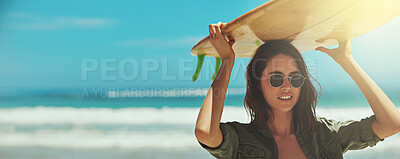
[{"x": 139, "y": 123}]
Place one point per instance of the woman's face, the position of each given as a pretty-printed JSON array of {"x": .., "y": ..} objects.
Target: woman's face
[{"x": 286, "y": 66}]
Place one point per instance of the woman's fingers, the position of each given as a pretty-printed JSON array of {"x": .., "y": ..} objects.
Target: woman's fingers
[
  {"x": 218, "y": 30},
  {"x": 216, "y": 33},
  {"x": 218, "y": 27},
  {"x": 213, "y": 32},
  {"x": 231, "y": 42},
  {"x": 210, "y": 29},
  {"x": 219, "y": 42},
  {"x": 322, "y": 40},
  {"x": 323, "y": 49},
  {"x": 345, "y": 44},
  {"x": 231, "y": 39}
]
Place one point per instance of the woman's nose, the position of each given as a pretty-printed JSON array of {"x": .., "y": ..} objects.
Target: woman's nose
[{"x": 286, "y": 85}]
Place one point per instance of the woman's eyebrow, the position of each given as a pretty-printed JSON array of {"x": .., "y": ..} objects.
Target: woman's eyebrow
[{"x": 278, "y": 72}]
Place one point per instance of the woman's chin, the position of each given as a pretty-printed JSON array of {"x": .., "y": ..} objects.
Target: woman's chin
[{"x": 284, "y": 108}]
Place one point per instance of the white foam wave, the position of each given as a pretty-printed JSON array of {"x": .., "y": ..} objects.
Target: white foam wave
[
  {"x": 143, "y": 116},
  {"x": 80, "y": 116},
  {"x": 83, "y": 133},
  {"x": 125, "y": 139},
  {"x": 93, "y": 139}
]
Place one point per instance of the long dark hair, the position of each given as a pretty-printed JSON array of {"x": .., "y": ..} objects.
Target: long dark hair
[{"x": 303, "y": 112}]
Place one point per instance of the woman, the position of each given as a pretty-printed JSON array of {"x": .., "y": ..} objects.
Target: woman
[{"x": 281, "y": 101}]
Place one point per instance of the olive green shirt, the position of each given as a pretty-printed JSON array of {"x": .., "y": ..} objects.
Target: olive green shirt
[{"x": 330, "y": 140}]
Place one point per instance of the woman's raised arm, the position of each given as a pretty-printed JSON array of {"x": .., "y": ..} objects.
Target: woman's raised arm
[
  {"x": 207, "y": 129},
  {"x": 387, "y": 121}
]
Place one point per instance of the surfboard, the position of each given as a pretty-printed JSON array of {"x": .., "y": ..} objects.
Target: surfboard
[{"x": 301, "y": 22}]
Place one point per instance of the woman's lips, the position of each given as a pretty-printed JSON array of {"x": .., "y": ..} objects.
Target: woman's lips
[
  {"x": 285, "y": 100},
  {"x": 285, "y": 97}
]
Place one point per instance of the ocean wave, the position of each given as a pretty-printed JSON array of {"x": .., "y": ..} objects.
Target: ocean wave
[
  {"x": 81, "y": 116},
  {"x": 143, "y": 115},
  {"x": 125, "y": 139},
  {"x": 90, "y": 138},
  {"x": 98, "y": 139},
  {"x": 131, "y": 128}
]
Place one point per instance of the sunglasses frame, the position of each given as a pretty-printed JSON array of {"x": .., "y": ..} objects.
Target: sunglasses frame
[{"x": 284, "y": 78}]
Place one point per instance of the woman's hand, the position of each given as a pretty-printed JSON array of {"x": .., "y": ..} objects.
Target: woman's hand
[
  {"x": 340, "y": 54},
  {"x": 218, "y": 41}
]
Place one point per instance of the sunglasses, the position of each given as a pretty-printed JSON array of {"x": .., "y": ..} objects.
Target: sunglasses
[{"x": 277, "y": 80}]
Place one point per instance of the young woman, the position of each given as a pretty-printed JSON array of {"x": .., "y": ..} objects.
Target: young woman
[{"x": 281, "y": 101}]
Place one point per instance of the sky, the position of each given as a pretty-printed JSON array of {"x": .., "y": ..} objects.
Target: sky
[{"x": 76, "y": 44}]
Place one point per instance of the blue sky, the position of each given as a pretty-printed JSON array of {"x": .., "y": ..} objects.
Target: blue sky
[{"x": 55, "y": 44}]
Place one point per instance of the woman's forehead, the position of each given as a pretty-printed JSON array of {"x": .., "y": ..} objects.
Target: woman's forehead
[{"x": 281, "y": 63}]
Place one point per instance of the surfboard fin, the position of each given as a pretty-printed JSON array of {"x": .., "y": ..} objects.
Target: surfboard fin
[
  {"x": 217, "y": 66},
  {"x": 258, "y": 43},
  {"x": 200, "y": 60}
]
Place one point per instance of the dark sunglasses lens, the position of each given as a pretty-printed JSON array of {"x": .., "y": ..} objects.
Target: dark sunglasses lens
[
  {"x": 276, "y": 80},
  {"x": 297, "y": 81}
]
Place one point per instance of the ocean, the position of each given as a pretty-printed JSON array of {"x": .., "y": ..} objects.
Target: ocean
[{"x": 146, "y": 123}]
